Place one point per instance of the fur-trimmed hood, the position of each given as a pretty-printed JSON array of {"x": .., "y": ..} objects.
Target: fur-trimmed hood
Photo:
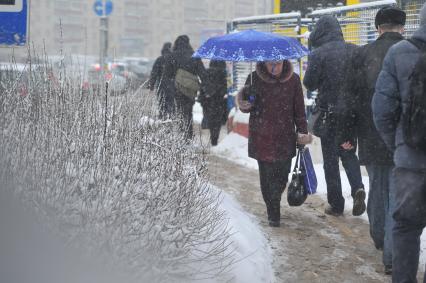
[{"x": 265, "y": 76}]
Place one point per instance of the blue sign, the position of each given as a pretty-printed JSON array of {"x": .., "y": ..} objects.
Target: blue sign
[
  {"x": 14, "y": 23},
  {"x": 103, "y": 8}
]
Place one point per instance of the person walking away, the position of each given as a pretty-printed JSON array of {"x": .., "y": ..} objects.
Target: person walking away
[
  {"x": 356, "y": 122},
  {"x": 180, "y": 64},
  {"x": 326, "y": 73},
  {"x": 212, "y": 98},
  {"x": 165, "y": 101},
  {"x": 396, "y": 87},
  {"x": 277, "y": 116}
]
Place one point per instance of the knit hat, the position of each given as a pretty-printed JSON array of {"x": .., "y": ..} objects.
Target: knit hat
[{"x": 390, "y": 15}]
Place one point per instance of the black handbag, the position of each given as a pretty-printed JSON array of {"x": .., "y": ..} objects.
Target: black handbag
[
  {"x": 297, "y": 193},
  {"x": 317, "y": 123}
]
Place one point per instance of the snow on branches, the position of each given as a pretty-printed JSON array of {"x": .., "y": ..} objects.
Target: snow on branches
[{"x": 110, "y": 178}]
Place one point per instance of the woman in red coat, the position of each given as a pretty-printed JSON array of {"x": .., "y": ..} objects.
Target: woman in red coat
[{"x": 274, "y": 98}]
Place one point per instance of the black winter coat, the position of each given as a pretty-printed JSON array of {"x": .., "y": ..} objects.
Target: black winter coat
[
  {"x": 327, "y": 63},
  {"x": 181, "y": 58},
  {"x": 157, "y": 72},
  {"x": 356, "y": 118},
  {"x": 212, "y": 95}
]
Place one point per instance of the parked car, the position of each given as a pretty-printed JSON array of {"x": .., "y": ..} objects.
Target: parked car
[
  {"x": 122, "y": 69},
  {"x": 117, "y": 84},
  {"x": 140, "y": 66}
]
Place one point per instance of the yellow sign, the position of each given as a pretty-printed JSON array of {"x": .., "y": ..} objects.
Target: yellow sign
[
  {"x": 352, "y": 2},
  {"x": 277, "y": 6}
]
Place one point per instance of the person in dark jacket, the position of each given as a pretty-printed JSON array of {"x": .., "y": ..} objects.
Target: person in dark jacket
[
  {"x": 389, "y": 105},
  {"x": 356, "y": 122},
  {"x": 212, "y": 98},
  {"x": 166, "y": 102},
  {"x": 181, "y": 58},
  {"x": 326, "y": 73},
  {"x": 277, "y": 114}
]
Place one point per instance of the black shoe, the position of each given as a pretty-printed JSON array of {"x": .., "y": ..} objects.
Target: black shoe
[
  {"x": 359, "y": 203},
  {"x": 274, "y": 223},
  {"x": 333, "y": 212},
  {"x": 388, "y": 269}
]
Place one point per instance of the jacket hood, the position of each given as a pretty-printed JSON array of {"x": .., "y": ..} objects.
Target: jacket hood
[
  {"x": 182, "y": 45},
  {"x": 326, "y": 30},
  {"x": 420, "y": 33},
  {"x": 265, "y": 76},
  {"x": 167, "y": 48}
]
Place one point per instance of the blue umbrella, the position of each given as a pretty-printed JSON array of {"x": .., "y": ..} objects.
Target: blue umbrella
[{"x": 251, "y": 46}]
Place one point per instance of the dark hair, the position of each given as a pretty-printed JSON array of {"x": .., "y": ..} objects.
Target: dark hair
[
  {"x": 217, "y": 64},
  {"x": 389, "y": 27}
]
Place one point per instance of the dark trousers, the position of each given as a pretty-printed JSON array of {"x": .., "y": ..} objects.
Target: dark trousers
[
  {"x": 380, "y": 206},
  {"x": 273, "y": 181},
  {"x": 184, "y": 108},
  {"x": 214, "y": 134},
  {"x": 166, "y": 105},
  {"x": 331, "y": 153},
  {"x": 410, "y": 219}
]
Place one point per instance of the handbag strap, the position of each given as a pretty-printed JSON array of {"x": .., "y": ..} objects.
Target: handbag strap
[{"x": 296, "y": 165}]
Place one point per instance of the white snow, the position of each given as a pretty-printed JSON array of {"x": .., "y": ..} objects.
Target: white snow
[
  {"x": 253, "y": 254},
  {"x": 374, "y": 4},
  {"x": 267, "y": 17},
  {"x": 197, "y": 112},
  {"x": 241, "y": 117},
  {"x": 234, "y": 148}
]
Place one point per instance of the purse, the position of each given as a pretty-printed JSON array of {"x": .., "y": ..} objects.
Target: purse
[{"x": 297, "y": 193}]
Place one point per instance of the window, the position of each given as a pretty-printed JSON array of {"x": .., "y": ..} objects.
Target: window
[
  {"x": 7, "y": 2},
  {"x": 11, "y": 5}
]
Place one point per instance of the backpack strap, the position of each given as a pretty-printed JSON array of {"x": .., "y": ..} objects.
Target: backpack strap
[{"x": 419, "y": 44}]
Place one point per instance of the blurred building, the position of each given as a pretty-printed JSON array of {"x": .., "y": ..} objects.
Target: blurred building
[{"x": 136, "y": 27}]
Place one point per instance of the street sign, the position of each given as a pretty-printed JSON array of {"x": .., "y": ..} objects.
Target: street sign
[
  {"x": 14, "y": 22},
  {"x": 102, "y": 8}
]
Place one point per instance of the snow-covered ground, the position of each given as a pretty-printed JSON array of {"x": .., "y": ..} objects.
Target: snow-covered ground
[
  {"x": 253, "y": 254},
  {"x": 234, "y": 148},
  {"x": 197, "y": 112}
]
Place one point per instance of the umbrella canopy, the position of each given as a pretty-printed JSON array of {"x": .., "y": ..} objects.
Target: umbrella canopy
[{"x": 251, "y": 46}]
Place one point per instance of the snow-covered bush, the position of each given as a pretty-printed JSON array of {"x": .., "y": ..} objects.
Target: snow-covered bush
[{"x": 110, "y": 178}]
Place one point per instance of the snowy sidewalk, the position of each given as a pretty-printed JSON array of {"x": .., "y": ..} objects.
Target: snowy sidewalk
[{"x": 309, "y": 246}]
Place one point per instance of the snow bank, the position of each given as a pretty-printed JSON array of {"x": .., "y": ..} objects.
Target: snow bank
[
  {"x": 253, "y": 254},
  {"x": 234, "y": 147}
]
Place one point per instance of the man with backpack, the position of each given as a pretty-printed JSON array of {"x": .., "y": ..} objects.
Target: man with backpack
[
  {"x": 399, "y": 111},
  {"x": 356, "y": 122}
]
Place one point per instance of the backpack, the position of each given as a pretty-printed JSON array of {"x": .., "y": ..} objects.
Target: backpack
[
  {"x": 187, "y": 83},
  {"x": 414, "y": 118}
]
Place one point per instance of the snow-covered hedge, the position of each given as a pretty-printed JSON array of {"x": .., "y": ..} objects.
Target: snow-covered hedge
[{"x": 108, "y": 177}]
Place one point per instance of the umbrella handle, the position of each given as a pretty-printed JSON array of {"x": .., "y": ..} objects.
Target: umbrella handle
[{"x": 251, "y": 73}]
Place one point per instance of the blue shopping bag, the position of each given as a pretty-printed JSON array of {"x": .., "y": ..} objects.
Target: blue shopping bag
[{"x": 307, "y": 166}]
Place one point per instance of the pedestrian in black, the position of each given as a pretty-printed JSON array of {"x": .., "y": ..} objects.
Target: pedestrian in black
[
  {"x": 390, "y": 104},
  {"x": 356, "y": 122},
  {"x": 326, "y": 73},
  {"x": 181, "y": 58},
  {"x": 166, "y": 102},
  {"x": 212, "y": 98}
]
